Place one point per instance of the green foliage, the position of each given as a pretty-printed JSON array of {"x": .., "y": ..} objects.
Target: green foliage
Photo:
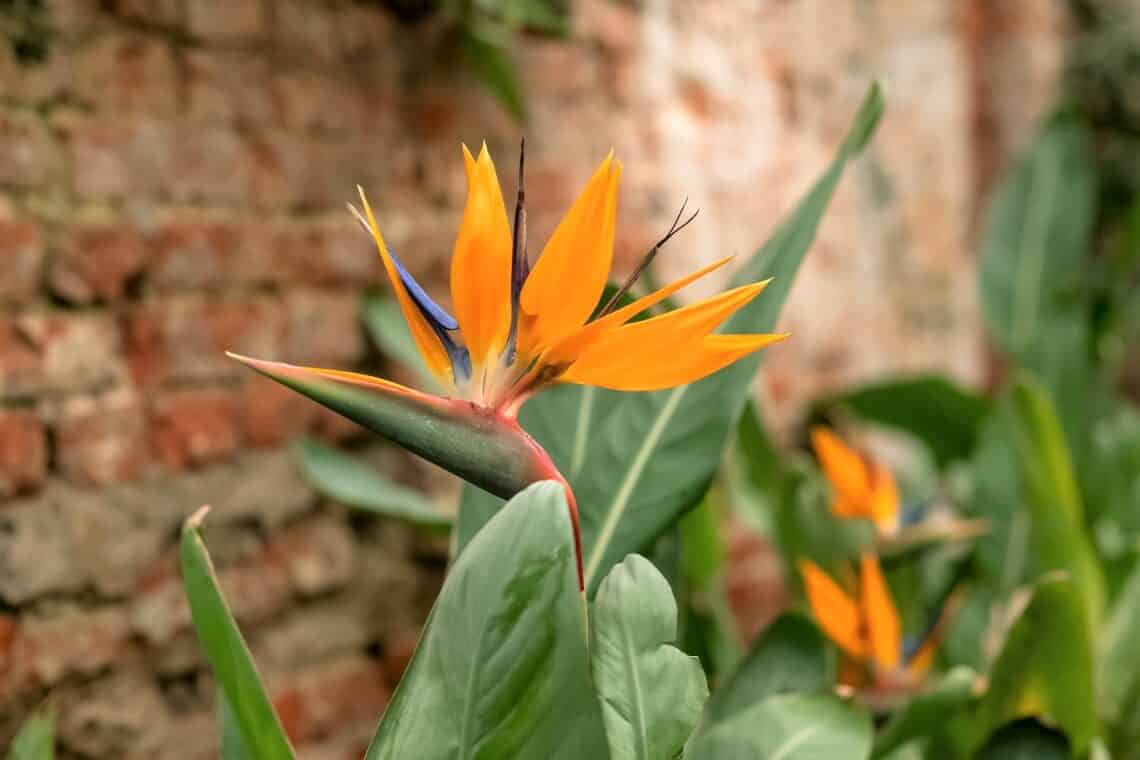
[
  {"x": 787, "y": 727},
  {"x": 36, "y": 738},
  {"x": 943, "y": 416},
  {"x": 651, "y": 692},
  {"x": 790, "y": 657},
  {"x": 927, "y": 712},
  {"x": 256, "y": 723},
  {"x": 1046, "y": 667},
  {"x": 341, "y": 478},
  {"x": 638, "y": 461},
  {"x": 1026, "y": 739},
  {"x": 502, "y": 669}
]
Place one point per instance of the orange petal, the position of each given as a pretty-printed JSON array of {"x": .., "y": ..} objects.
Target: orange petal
[
  {"x": 433, "y": 352},
  {"x": 481, "y": 263},
  {"x": 845, "y": 470},
  {"x": 569, "y": 348},
  {"x": 883, "y": 499},
  {"x": 567, "y": 281},
  {"x": 658, "y": 343},
  {"x": 296, "y": 371},
  {"x": 879, "y": 612},
  {"x": 834, "y": 611}
]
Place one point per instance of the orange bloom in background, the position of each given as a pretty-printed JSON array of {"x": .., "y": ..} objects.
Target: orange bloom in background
[
  {"x": 865, "y": 625},
  {"x": 518, "y": 329},
  {"x": 863, "y": 487}
]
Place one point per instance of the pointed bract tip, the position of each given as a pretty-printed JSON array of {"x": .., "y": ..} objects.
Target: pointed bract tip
[{"x": 194, "y": 521}]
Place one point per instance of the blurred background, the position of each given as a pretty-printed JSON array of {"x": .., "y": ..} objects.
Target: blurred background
[{"x": 173, "y": 176}]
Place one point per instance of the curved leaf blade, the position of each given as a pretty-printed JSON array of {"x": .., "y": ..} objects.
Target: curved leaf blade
[
  {"x": 226, "y": 650},
  {"x": 347, "y": 481},
  {"x": 651, "y": 692},
  {"x": 502, "y": 669},
  {"x": 928, "y": 711},
  {"x": 36, "y": 738},
  {"x": 788, "y": 727}
]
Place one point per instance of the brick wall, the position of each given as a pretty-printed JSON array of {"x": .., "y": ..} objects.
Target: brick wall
[{"x": 172, "y": 183}]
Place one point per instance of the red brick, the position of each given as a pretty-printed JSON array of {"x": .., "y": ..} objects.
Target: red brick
[
  {"x": 398, "y": 651},
  {"x": 76, "y": 642},
  {"x": 97, "y": 261},
  {"x": 226, "y": 21},
  {"x": 754, "y": 581},
  {"x": 323, "y": 326},
  {"x": 330, "y": 251},
  {"x": 23, "y": 452},
  {"x": 325, "y": 700},
  {"x": 311, "y": 100},
  {"x": 30, "y": 157},
  {"x": 279, "y": 168},
  {"x": 193, "y": 427},
  {"x": 125, "y": 73},
  {"x": 56, "y": 352},
  {"x": 230, "y": 86},
  {"x": 120, "y": 157},
  {"x": 306, "y": 28},
  {"x": 272, "y": 414},
  {"x": 318, "y": 553},
  {"x": 185, "y": 338},
  {"x": 212, "y": 164},
  {"x": 195, "y": 251},
  {"x": 166, "y": 13},
  {"x": 364, "y": 30},
  {"x": 102, "y": 439},
  {"x": 21, "y": 259}
]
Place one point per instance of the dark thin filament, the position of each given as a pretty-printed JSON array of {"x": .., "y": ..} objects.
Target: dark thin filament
[{"x": 646, "y": 260}]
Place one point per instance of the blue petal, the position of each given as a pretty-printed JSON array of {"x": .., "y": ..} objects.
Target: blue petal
[{"x": 430, "y": 308}]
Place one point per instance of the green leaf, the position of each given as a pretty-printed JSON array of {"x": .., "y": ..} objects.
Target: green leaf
[
  {"x": 652, "y": 693},
  {"x": 343, "y": 479},
  {"x": 1118, "y": 667},
  {"x": 760, "y": 463},
  {"x": 36, "y": 738},
  {"x": 1045, "y": 668},
  {"x": 233, "y": 745},
  {"x": 1037, "y": 237},
  {"x": 484, "y": 448},
  {"x": 486, "y": 53},
  {"x": 1058, "y": 537},
  {"x": 502, "y": 669},
  {"x": 1026, "y": 739},
  {"x": 227, "y": 651},
  {"x": 791, "y": 656},
  {"x": 637, "y": 461},
  {"x": 927, "y": 711},
  {"x": 1002, "y": 553},
  {"x": 389, "y": 331},
  {"x": 788, "y": 727},
  {"x": 945, "y": 417},
  {"x": 1112, "y": 480}
]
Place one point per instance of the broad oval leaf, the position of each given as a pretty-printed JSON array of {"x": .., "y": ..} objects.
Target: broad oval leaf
[
  {"x": 343, "y": 479},
  {"x": 652, "y": 693},
  {"x": 1045, "y": 668},
  {"x": 788, "y": 727},
  {"x": 637, "y": 461},
  {"x": 791, "y": 656},
  {"x": 927, "y": 711},
  {"x": 502, "y": 669},
  {"x": 36, "y": 738},
  {"x": 227, "y": 652}
]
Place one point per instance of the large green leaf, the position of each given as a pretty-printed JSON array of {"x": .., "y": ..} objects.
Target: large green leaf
[
  {"x": 651, "y": 692},
  {"x": 1036, "y": 239},
  {"x": 927, "y": 711},
  {"x": 233, "y": 745},
  {"x": 1045, "y": 668},
  {"x": 787, "y": 727},
  {"x": 345, "y": 480},
  {"x": 1026, "y": 739},
  {"x": 791, "y": 656},
  {"x": 226, "y": 650},
  {"x": 1058, "y": 535},
  {"x": 1002, "y": 553},
  {"x": 35, "y": 739},
  {"x": 502, "y": 669},
  {"x": 637, "y": 461},
  {"x": 485, "y": 48},
  {"x": 1118, "y": 666},
  {"x": 945, "y": 417}
]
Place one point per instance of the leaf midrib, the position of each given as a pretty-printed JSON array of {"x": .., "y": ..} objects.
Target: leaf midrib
[
  {"x": 793, "y": 741},
  {"x": 1031, "y": 256},
  {"x": 629, "y": 483},
  {"x": 640, "y": 732}
]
